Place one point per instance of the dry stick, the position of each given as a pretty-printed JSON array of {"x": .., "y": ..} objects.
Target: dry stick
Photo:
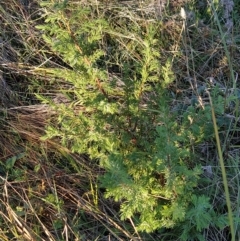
[
  {"x": 11, "y": 215},
  {"x": 86, "y": 206},
  {"x": 224, "y": 176},
  {"x": 135, "y": 229}
]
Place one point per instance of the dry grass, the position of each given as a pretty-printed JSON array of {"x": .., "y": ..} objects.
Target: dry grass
[
  {"x": 51, "y": 193},
  {"x": 48, "y": 193}
]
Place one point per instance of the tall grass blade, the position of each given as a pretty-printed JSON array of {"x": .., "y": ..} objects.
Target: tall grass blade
[{"x": 224, "y": 175}]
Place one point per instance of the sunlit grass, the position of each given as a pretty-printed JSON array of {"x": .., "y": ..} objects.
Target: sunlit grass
[{"x": 51, "y": 193}]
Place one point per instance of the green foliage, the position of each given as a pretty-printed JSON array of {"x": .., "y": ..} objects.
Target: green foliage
[
  {"x": 11, "y": 161},
  {"x": 122, "y": 117}
]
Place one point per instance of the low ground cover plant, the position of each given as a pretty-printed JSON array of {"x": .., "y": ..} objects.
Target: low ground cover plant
[{"x": 129, "y": 104}]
